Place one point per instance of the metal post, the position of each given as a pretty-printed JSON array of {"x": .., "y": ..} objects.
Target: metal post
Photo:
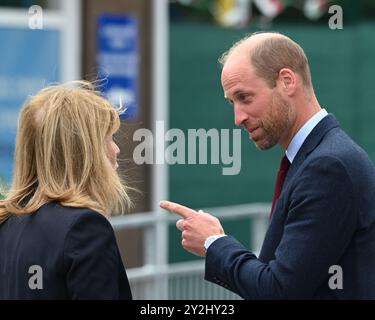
[
  {"x": 160, "y": 15},
  {"x": 71, "y": 40}
]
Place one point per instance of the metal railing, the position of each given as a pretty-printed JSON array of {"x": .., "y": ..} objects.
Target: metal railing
[{"x": 160, "y": 280}]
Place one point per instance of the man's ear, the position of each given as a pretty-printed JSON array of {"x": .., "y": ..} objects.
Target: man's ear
[{"x": 287, "y": 81}]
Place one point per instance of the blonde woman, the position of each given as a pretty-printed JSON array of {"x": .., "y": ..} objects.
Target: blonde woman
[{"x": 55, "y": 239}]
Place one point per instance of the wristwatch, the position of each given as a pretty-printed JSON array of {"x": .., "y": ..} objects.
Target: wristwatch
[{"x": 211, "y": 239}]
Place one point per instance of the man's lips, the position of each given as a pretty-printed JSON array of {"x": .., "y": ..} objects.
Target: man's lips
[{"x": 252, "y": 130}]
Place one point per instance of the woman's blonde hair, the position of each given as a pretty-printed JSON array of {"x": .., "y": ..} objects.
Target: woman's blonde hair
[{"x": 61, "y": 153}]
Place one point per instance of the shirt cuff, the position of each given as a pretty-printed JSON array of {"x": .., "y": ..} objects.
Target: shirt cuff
[{"x": 211, "y": 239}]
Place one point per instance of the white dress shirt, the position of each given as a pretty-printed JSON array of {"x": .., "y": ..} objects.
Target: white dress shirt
[{"x": 302, "y": 134}]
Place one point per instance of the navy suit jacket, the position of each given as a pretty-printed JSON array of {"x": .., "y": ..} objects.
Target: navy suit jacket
[
  {"x": 325, "y": 217},
  {"x": 75, "y": 248}
]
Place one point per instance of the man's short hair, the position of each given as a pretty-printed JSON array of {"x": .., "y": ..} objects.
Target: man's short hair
[{"x": 273, "y": 54}]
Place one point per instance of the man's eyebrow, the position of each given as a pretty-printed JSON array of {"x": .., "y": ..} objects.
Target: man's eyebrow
[
  {"x": 239, "y": 92},
  {"x": 248, "y": 93}
]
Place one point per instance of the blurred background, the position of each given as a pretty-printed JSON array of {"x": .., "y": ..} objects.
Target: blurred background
[{"x": 160, "y": 58}]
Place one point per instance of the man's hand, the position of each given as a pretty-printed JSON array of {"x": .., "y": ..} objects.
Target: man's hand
[{"x": 195, "y": 226}]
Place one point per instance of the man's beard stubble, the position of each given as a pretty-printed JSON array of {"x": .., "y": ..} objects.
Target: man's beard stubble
[{"x": 275, "y": 123}]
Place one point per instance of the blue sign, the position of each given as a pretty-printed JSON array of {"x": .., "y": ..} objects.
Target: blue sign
[
  {"x": 29, "y": 60},
  {"x": 118, "y": 61}
]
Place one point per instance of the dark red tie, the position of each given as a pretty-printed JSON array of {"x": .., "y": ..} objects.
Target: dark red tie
[{"x": 281, "y": 174}]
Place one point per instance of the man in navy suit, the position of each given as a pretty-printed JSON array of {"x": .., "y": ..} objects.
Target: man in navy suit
[{"x": 320, "y": 243}]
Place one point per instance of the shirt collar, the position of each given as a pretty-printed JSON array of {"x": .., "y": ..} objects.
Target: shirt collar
[{"x": 302, "y": 134}]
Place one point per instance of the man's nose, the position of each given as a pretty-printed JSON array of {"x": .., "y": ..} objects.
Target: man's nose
[{"x": 239, "y": 116}]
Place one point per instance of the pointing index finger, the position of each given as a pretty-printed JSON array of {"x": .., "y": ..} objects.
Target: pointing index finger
[{"x": 179, "y": 209}]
